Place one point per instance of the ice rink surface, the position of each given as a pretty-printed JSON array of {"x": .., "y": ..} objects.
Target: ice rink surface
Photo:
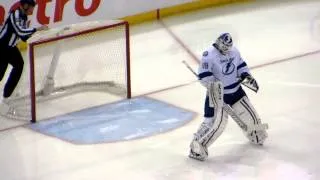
[{"x": 265, "y": 33}]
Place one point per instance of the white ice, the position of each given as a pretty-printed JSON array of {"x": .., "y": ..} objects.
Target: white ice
[{"x": 288, "y": 101}]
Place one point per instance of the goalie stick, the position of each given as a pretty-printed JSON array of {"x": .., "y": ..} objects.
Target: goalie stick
[{"x": 230, "y": 111}]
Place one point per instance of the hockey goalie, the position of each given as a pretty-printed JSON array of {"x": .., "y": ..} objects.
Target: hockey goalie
[{"x": 222, "y": 71}]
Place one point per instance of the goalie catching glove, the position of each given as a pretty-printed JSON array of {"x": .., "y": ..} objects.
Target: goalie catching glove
[{"x": 248, "y": 81}]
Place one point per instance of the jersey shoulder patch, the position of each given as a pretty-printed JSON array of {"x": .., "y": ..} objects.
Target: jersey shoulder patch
[{"x": 205, "y": 53}]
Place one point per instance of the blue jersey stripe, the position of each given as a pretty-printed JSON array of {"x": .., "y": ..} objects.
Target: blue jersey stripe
[
  {"x": 204, "y": 74},
  {"x": 242, "y": 65}
]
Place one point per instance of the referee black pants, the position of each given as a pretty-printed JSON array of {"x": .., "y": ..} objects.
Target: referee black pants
[{"x": 10, "y": 55}]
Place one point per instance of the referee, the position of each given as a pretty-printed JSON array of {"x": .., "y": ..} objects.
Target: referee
[{"x": 14, "y": 29}]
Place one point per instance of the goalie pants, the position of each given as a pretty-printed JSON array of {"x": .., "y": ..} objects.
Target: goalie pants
[
  {"x": 10, "y": 55},
  {"x": 229, "y": 99}
]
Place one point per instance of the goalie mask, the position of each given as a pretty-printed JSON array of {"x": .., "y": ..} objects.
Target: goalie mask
[{"x": 224, "y": 43}]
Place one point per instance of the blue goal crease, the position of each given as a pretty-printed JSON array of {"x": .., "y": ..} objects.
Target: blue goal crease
[{"x": 125, "y": 120}]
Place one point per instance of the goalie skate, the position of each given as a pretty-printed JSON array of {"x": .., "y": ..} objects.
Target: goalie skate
[{"x": 198, "y": 151}]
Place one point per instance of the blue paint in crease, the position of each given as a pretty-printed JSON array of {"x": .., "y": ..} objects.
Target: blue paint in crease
[{"x": 124, "y": 120}]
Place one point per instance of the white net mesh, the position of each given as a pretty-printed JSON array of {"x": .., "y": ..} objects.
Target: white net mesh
[{"x": 87, "y": 67}]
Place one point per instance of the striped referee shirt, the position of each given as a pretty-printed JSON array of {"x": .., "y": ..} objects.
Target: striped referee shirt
[{"x": 15, "y": 28}]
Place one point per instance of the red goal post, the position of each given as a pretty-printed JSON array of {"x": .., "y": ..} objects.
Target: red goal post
[{"x": 90, "y": 57}]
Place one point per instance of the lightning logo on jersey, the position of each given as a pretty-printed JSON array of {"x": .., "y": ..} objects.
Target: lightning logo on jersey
[{"x": 228, "y": 68}]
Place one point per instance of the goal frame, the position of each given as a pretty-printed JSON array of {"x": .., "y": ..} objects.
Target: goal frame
[{"x": 33, "y": 45}]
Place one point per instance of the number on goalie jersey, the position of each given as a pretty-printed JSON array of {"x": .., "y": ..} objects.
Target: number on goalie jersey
[{"x": 222, "y": 64}]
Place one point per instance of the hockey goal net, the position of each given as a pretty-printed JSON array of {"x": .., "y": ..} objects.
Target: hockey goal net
[{"x": 73, "y": 68}]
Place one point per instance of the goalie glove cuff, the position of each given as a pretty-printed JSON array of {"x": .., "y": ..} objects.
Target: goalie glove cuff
[{"x": 245, "y": 75}]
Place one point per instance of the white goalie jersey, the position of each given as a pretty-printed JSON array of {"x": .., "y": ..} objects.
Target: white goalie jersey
[{"x": 226, "y": 68}]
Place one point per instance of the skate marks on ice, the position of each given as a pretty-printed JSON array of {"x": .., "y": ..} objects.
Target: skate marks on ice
[{"x": 234, "y": 160}]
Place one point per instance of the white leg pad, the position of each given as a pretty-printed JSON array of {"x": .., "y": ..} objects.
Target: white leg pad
[
  {"x": 218, "y": 122},
  {"x": 244, "y": 109},
  {"x": 207, "y": 133},
  {"x": 215, "y": 93},
  {"x": 216, "y": 129},
  {"x": 212, "y": 127}
]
